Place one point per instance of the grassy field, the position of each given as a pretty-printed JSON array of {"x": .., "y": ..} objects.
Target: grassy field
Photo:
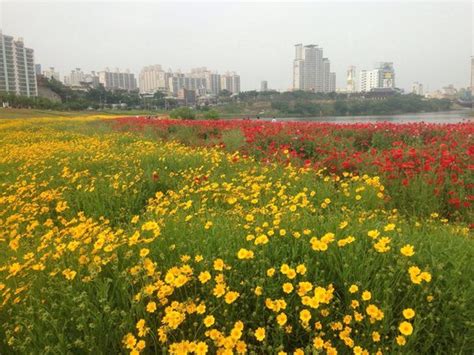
[{"x": 120, "y": 242}]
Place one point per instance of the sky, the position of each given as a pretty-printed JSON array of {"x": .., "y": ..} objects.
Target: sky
[{"x": 428, "y": 42}]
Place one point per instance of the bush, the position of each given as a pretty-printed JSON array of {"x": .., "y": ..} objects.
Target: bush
[
  {"x": 184, "y": 113},
  {"x": 212, "y": 114}
]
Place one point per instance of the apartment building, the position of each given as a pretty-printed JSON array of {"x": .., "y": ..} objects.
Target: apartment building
[{"x": 17, "y": 67}]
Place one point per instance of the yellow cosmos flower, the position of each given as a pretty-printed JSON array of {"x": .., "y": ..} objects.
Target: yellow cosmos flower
[
  {"x": 209, "y": 321},
  {"x": 69, "y": 274},
  {"x": 408, "y": 313},
  {"x": 260, "y": 334},
  {"x": 401, "y": 340},
  {"x": 405, "y": 328},
  {"x": 353, "y": 289},
  {"x": 204, "y": 277},
  {"x": 407, "y": 250},
  {"x": 231, "y": 296},
  {"x": 281, "y": 319},
  {"x": 287, "y": 287},
  {"x": 245, "y": 254},
  {"x": 305, "y": 316},
  {"x": 366, "y": 295},
  {"x": 151, "y": 307}
]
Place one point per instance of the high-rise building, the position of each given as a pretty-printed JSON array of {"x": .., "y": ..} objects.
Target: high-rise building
[
  {"x": 50, "y": 73},
  {"x": 213, "y": 83},
  {"x": 230, "y": 82},
  {"x": 199, "y": 80},
  {"x": 417, "y": 88},
  {"x": 79, "y": 80},
  {"x": 310, "y": 69},
  {"x": 381, "y": 77},
  {"x": 472, "y": 76},
  {"x": 298, "y": 68},
  {"x": 263, "y": 86},
  {"x": 310, "y": 79},
  {"x": 75, "y": 78},
  {"x": 175, "y": 83},
  {"x": 332, "y": 82},
  {"x": 91, "y": 80},
  {"x": 153, "y": 78},
  {"x": 326, "y": 71},
  {"x": 351, "y": 79},
  {"x": 38, "y": 69},
  {"x": 17, "y": 67},
  {"x": 117, "y": 80}
]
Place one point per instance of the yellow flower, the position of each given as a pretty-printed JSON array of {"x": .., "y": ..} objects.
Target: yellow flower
[
  {"x": 144, "y": 252},
  {"x": 141, "y": 345},
  {"x": 245, "y": 254},
  {"x": 129, "y": 341},
  {"x": 219, "y": 264},
  {"x": 401, "y": 340},
  {"x": 151, "y": 307},
  {"x": 291, "y": 274},
  {"x": 408, "y": 250},
  {"x": 204, "y": 277},
  {"x": 301, "y": 269},
  {"x": 373, "y": 234},
  {"x": 201, "y": 348},
  {"x": 305, "y": 316},
  {"x": 281, "y": 319},
  {"x": 270, "y": 272},
  {"x": 318, "y": 343},
  {"x": 287, "y": 287},
  {"x": 405, "y": 328},
  {"x": 366, "y": 295},
  {"x": 284, "y": 269},
  {"x": 353, "y": 289},
  {"x": 231, "y": 200},
  {"x": 408, "y": 313},
  {"x": 69, "y": 274},
  {"x": 231, "y": 296},
  {"x": 376, "y": 336},
  {"x": 260, "y": 333},
  {"x": 209, "y": 321}
]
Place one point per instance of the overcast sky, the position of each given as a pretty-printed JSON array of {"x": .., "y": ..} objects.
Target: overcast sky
[{"x": 429, "y": 42}]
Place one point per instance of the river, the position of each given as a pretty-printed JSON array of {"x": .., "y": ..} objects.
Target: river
[{"x": 428, "y": 117}]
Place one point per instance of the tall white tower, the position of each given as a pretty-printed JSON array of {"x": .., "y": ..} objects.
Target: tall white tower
[{"x": 298, "y": 68}]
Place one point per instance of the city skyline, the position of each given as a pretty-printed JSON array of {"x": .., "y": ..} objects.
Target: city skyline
[{"x": 421, "y": 39}]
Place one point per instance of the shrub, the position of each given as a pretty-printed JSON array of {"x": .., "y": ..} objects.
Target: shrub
[
  {"x": 212, "y": 114},
  {"x": 184, "y": 113}
]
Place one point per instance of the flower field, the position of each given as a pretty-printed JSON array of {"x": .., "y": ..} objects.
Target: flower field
[{"x": 138, "y": 236}]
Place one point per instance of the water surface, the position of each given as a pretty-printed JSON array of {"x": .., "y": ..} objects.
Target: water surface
[{"x": 428, "y": 117}]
